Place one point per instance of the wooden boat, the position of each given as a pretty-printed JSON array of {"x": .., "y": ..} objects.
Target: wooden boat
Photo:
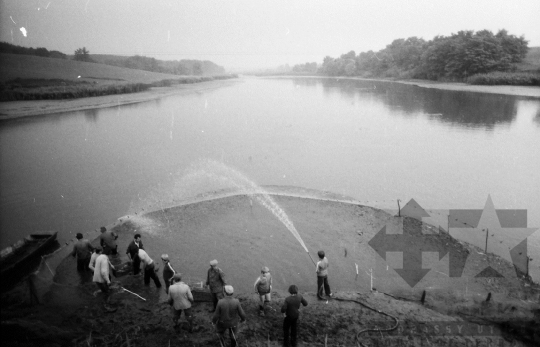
[{"x": 19, "y": 259}]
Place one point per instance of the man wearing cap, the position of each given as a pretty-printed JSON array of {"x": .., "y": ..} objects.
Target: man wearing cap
[
  {"x": 322, "y": 276},
  {"x": 180, "y": 298},
  {"x": 168, "y": 271},
  {"x": 107, "y": 240},
  {"x": 133, "y": 253},
  {"x": 263, "y": 287},
  {"x": 228, "y": 311},
  {"x": 83, "y": 251},
  {"x": 215, "y": 279},
  {"x": 149, "y": 268}
]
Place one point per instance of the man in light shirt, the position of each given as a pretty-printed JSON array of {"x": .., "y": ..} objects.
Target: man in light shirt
[
  {"x": 180, "y": 298},
  {"x": 149, "y": 268},
  {"x": 101, "y": 273},
  {"x": 92, "y": 264}
]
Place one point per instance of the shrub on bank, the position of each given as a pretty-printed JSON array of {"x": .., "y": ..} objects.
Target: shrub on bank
[
  {"x": 57, "y": 89},
  {"x": 506, "y": 78},
  {"x": 14, "y": 92}
]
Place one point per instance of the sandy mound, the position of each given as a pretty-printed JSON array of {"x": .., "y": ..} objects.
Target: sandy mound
[{"x": 245, "y": 235}]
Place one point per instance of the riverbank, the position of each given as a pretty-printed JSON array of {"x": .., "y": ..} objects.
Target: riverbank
[
  {"x": 524, "y": 91},
  {"x": 243, "y": 235},
  {"x": 20, "y": 109}
]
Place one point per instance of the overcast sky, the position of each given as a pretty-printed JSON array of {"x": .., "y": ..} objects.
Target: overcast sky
[{"x": 252, "y": 33}]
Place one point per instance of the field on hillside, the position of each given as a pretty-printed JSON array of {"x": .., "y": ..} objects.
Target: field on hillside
[
  {"x": 25, "y": 77},
  {"x": 31, "y": 67}
]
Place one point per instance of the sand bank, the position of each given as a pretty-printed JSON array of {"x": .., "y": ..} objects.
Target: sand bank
[
  {"x": 18, "y": 109},
  {"x": 525, "y": 91}
]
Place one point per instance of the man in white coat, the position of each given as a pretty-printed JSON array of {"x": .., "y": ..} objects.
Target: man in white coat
[{"x": 101, "y": 273}]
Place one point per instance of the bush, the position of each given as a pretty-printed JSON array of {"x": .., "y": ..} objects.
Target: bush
[{"x": 506, "y": 78}]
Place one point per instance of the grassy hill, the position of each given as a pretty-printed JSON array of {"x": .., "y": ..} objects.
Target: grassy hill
[
  {"x": 32, "y": 67},
  {"x": 27, "y": 77}
]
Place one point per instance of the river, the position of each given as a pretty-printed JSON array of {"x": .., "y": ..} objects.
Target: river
[{"x": 373, "y": 141}]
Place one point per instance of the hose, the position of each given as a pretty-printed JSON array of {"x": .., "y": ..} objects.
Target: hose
[{"x": 371, "y": 329}]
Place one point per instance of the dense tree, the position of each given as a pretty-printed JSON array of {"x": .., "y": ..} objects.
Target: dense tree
[
  {"x": 82, "y": 54},
  {"x": 453, "y": 57}
]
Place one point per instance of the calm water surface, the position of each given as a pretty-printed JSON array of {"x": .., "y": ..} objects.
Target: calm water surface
[{"x": 373, "y": 141}]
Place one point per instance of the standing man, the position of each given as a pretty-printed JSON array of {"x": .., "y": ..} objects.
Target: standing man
[
  {"x": 322, "y": 276},
  {"x": 101, "y": 273},
  {"x": 83, "y": 251},
  {"x": 228, "y": 311},
  {"x": 180, "y": 298},
  {"x": 290, "y": 310},
  {"x": 133, "y": 253},
  {"x": 149, "y": 268},
  {"x": 263, "y": 287},
  {"x": 107, "y": 240},
  {"x": 215, "y": 279},
  {"x": 168, "y": 271},
  {"x": 93, "y": 258}
]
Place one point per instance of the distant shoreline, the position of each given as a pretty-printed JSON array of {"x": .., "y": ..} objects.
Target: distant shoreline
[
  {"x": 20, "y": 109},
  {"x": 525, "y": 91}
]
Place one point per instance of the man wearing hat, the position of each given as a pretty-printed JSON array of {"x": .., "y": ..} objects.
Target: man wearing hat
[
  {"x": 215, "y": 279},
  {"x": 263, "y": 287},
  {"x": 180, "y": 298},
  {"x": 168, "y": 271},
  {"x": 228, "y": 311},
  {"x": 83, "y": 251}
]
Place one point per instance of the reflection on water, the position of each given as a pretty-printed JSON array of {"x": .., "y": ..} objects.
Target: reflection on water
[{"x": 455, "y": 107}]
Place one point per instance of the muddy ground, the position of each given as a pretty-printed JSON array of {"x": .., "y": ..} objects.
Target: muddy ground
[{"x": 244, "y": 235}]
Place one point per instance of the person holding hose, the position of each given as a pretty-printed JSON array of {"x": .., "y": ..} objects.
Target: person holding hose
[{"x": 322, "y": 276}]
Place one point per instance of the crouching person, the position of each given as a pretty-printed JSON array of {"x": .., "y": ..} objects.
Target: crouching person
[
  {"x": 180, "y": 298},
  {"x": 228, "y": 311}
]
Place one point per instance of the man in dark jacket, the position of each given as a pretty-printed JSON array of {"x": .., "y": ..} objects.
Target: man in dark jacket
[
  {"x": 290, "y": 310},
  {"x": 107, "y": 240},
  {"x": 215, "y": 279},
  {"x": 133, "y": 253},
  {"x": 83, "y": 251},
  {"x": 228, "y": 311}
]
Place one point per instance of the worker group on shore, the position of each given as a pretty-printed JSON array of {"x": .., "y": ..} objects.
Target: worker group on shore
[{"x": 227, "y": 310}]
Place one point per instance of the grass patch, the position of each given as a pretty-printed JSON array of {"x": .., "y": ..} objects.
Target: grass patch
[
  {"x": 506, "y": 78},
  {"x": 58, "y": 89},
  {"x": 61, "y": 89}
]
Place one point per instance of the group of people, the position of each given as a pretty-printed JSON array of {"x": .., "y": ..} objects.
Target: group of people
[{"x": 227, "y": 310}]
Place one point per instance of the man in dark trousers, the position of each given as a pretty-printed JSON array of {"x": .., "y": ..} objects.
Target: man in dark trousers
[
  {"x": 133, "y": 253},
  {"x": 228, "y": 311},
  {"x": 322, "y": 276},
  {"x": 215, "y": 279},
  {"x": 83, "y": 251},
  {"x": 290, "y": 310},
  {"x": 107, "y": 240},
  {"x": 149, "y": 269},
  {"x": 168, "y": 271}
]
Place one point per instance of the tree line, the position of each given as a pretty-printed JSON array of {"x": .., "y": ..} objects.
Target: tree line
[
  {"x": 454, "y": 57},
  {"x": 40, "y": 51},
  {"x": 174, "y": 67}
]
